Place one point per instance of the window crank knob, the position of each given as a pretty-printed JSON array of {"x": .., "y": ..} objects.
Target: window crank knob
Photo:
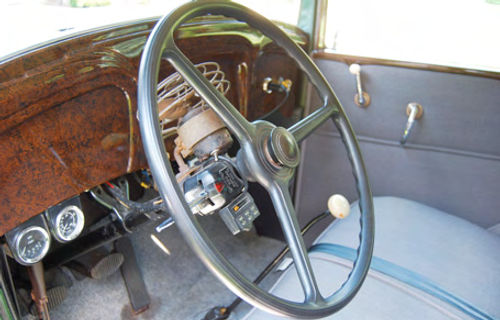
[{"x": 338, "y": 206}]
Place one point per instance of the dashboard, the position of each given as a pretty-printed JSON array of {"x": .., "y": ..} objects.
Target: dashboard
[{"x": 68, "y": 118}]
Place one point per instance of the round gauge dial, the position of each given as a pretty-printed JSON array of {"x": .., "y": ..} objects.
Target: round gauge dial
[
  {"x": 69, "y": 223},
  {"x": 32, "y": 244}
]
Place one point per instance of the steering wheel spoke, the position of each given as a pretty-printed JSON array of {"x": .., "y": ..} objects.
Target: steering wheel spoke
[
  {"x": 291, "y": 230},
  {"x": 303, "y": 128},
  {"x": 235, "y": 122}
]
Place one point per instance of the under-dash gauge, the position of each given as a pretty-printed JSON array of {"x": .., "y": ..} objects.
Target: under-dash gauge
[
  {"x": 69, "y": 223},
  {"x": 66, "y": 220},
  {"x": 32, "y": 244}
]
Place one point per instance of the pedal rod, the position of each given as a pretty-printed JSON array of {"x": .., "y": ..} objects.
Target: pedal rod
[{"x": 39, "y": 291}]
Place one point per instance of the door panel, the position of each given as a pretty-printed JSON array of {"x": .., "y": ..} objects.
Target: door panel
[{"x": 452, "y": 157}]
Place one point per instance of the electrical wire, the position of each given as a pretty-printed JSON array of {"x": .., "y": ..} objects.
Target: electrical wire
[{"x": 278, "y": 106}]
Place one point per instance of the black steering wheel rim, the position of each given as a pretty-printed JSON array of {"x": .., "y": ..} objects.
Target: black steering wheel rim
[{"x": 253, "y": 159}]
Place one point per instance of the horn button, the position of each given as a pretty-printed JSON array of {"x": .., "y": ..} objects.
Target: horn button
[{"x": 282, "y": 149}]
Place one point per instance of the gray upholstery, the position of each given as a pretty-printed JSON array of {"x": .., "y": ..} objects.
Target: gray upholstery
[
  {"x": 453, "y": 151},
  {"x": 460, "y": 111},
  {"x": 464, "y": 186},
  {"x": 460, "y": 257}
]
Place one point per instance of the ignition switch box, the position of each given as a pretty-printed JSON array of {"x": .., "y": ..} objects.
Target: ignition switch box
[{"x": 240, "y": 213}]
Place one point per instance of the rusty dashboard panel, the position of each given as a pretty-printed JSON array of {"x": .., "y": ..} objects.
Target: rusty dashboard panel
[{"x": 68, "y": 108}]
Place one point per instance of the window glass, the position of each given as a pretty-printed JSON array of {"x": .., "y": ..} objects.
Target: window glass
[
  {"x": 278, "y": 10},
  {"x": 449, "y": 32},
  {"x": 24, "y": 23}
]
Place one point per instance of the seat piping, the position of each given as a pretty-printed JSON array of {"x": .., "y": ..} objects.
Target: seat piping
[{"x": 406, "y": 276}]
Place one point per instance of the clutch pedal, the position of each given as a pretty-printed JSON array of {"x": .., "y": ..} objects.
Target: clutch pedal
[{"x": 56, "y": 296}]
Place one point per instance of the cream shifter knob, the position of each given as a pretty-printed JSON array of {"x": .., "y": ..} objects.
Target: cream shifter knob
[{"x": 338, "y": 206}]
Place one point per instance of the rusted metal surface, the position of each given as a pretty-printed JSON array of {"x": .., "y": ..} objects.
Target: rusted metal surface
[{"x": 68, "y": 109}]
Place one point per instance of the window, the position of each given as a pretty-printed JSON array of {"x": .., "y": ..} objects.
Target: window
[
  {"x": 448, "y": 32},
  {"x": 24, "y": 23},
  {"x": 278, "y": 10}
]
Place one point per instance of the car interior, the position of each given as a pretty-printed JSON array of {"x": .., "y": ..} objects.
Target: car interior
[{"x": 214, "y": 164}]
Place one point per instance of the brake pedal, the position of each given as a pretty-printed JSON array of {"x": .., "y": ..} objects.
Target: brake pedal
[
  {"x": 107, "y": 266},
  {"x": 98, "y": 264}
]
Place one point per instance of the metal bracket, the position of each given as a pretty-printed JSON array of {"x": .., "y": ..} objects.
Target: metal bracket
[{"x": 121, "y": 210}]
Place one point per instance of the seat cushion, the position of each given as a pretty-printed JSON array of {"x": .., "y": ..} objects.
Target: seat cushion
[{"x": 454, "y": 254}]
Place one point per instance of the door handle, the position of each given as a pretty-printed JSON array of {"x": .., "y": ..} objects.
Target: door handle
[{"x": 414, "y": 112}]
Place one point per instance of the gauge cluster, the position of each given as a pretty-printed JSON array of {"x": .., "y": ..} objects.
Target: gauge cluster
[{"x": 30, "y": 242}]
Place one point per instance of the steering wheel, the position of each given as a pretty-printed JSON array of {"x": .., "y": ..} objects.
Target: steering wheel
[{"x": 267, "y": 155}]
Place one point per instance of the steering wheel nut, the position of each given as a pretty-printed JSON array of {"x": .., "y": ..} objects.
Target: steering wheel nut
[{"x": 282, "y": 148}]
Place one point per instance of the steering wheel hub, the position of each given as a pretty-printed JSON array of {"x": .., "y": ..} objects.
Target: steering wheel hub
[{"x": 282, "y": 148}]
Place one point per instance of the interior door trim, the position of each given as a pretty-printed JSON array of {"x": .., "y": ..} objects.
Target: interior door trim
[{"x": 422, "y": 147}]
